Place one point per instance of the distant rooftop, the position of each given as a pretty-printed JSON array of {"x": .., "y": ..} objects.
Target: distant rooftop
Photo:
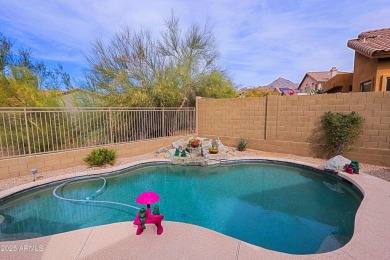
[
  {"x": 374, "y": 43},
  {"x": 322, "y": 76},
  {"x": 287, "y": 91}
]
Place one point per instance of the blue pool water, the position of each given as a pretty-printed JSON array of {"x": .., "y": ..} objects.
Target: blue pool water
[{"x": 282, "y": 208}]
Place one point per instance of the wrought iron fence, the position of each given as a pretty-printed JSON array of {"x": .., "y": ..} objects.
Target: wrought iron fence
[{"x": 26, "y": 131}]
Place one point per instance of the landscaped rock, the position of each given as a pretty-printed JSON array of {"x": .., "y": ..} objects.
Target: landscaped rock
[
  {"x": 206, "y": 143},
  {"x": 161, "y": 150},
  {"x": 216, "y": 157},
  {"x": 194, "y": 155},
  {"x": 180, "y": 144},
  {"x": 336, "y": 163},
  {"x": 188, "y": 161},
  {"x": 217, "y": 143},
  {"x": 194, "y": 151},
  {"x": 170, "y": 154}
]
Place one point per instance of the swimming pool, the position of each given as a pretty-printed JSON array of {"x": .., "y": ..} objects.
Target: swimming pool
[{"x": 280, "y": 207}]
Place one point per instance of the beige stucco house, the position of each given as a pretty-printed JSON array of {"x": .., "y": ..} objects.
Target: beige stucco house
[
  {"x": 371, "y": 64},
  {"x": 313, "y": 81},
  {"x": 285, "y": 91},
  {"x": 339, "y": 83}
]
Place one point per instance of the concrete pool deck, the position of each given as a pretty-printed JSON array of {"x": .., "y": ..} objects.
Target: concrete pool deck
[{"x": 371, "y": 239}]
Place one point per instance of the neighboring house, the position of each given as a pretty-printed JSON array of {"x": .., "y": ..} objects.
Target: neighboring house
[
  {"x": 371, "y": 65},
  {"x": 313, "y": 81},
  {"x": 339, "y": 83},
  {"x": 289, "y": 91},
  {"x": 280, "y": 86},
  {"x": 372, "y": 61}
]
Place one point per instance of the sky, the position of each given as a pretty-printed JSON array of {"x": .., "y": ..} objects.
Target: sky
[{"x": 259, "y": 41}]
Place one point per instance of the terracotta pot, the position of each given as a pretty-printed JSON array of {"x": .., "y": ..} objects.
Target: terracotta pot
[{"x": 213, "y": 151}]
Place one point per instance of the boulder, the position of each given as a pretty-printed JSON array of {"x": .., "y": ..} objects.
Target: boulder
[
  {"x": 217, "y": 157},
  {"x": 206, "y": 143},
  {"x": 336, "y": 163},
  {"x": 170, "y": 154},
  {"x": 180, "y": 144},
  {"x": 188, "y": 161},
  {"x": 217, "y": 142}
]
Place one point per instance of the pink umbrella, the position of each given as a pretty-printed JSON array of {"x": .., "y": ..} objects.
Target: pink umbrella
[{"x": 148, "y": 198}]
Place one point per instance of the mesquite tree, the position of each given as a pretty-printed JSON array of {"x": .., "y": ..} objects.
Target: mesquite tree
[
  {"x": 135, "y": 69},
  {"x": 27, "y": 82}
]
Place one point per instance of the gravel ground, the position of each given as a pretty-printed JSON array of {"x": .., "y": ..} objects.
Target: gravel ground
[{"x": 378, "y": 171}]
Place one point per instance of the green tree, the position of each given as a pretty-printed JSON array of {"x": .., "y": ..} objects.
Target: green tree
[
  {"x": 216, "y": 85},
  {"x": 24, "y": 82},
  {"x": 19, "y": 89},
  {"x": 5, "y": 54},
  {"x": 259, "y": 92},
  {"x": 136, "y": 70}
]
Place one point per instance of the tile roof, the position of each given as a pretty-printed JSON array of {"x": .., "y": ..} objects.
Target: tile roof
[
  {"x": 372, "y": 43},
  {"x": 322, "y": 76}
]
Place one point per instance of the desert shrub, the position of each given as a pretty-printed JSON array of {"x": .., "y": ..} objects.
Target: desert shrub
[
  {"x": 100, "y": 156},
  {"x": 341, "y": 131},
  {"x": 242, "y": 144}
]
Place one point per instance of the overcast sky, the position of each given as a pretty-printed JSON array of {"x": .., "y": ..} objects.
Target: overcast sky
[{"x": 259, "y": 41}]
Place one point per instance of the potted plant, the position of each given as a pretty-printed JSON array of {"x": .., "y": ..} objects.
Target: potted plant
[
  {"x": 194, "y": 142},
  {"x": 213, "y": 150}
]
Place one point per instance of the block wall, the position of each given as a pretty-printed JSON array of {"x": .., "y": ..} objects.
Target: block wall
[
  {"x": 232, "y": 117},
  {"x": 290, "y": 124},
  {"x": 21, "y": 166}
]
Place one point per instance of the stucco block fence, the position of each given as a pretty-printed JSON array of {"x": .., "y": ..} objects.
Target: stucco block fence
[
  {"x": 15, "y": 167},
  {"x": 283, "y": 124},
  {"x": 290, "y": 124}
]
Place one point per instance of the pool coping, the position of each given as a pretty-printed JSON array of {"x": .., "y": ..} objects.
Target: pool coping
[{"x": 370, "y": 240}]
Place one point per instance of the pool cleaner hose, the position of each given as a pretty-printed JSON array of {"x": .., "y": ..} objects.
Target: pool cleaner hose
[{"x": 90, "y": 198}]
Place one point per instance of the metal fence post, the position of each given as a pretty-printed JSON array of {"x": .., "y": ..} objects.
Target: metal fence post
[
  {"x": 197, "y": 115},
  {"x": 28, "y": 135},
  {"x": 163, "y": 121},
  {"x": 56, "y": 129},
  {"x": 111, "y": 130},
  {"x": 266, "y": 118}
]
